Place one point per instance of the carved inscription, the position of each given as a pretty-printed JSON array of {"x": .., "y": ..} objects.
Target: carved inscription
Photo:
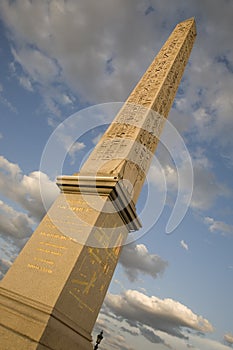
[
  {"x": 135, "y": 122},
  {"x": 39, "y": 268},
  {"x": 50, "y": 246},
  {"x": 171, "y": 59},
  {"x": 90, "y": 282},
  {"x": 73, "y": 216},
  {"x": 116, "y": 148}
]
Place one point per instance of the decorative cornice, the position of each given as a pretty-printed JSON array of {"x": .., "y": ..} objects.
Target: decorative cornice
[{"x": 111, "y": 186}]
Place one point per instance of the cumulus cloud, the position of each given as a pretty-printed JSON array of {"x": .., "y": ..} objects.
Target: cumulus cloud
[
  {"x": 25, "y": 189},
  {"x": 165, "y": 315},
  {"x": 218, "y": 226},
  {"x": 76, "y": 44},
  {"x": 36, "y": 64},
  {"x": 21, "y": 205},
  {"x": 68, "y": 43},
  {"x": 228, "y": 338},
  {"x": 55, "y": 61},
  {"x": 136, "y": 259},
  {"x": 13, "y": 223}
]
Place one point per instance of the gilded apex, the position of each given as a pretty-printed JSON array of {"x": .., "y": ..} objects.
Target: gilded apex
[{"x": 188, "y": 22}]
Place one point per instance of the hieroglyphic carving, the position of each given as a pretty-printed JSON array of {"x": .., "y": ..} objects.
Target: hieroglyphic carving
[
  {"x": 135, "y": 122},
  {"x": 117, "y": 148},
  {"x": 171, "y": 60}
]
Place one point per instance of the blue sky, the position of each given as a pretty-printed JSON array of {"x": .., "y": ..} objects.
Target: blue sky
[{"x": 60, "y": 57}]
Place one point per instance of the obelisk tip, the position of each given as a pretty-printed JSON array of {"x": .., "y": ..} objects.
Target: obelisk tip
[{"x": 189, "y": 22}]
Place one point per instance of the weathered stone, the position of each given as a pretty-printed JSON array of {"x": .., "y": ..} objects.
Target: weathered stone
[{"x": 51, "y": 296}]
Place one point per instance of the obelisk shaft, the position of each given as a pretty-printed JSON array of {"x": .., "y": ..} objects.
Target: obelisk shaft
[
  {"x": 127, "y": 147},
  {"x": 51, "y": 296}
]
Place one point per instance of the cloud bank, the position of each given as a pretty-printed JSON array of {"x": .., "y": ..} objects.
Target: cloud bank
[{"x": 165, "y": 315}]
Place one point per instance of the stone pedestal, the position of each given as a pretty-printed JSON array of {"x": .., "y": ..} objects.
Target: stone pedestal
[{"x": 51, "y": 296}]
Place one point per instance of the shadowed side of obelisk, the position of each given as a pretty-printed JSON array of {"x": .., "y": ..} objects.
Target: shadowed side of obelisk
[{"x": 51, "y": 296}]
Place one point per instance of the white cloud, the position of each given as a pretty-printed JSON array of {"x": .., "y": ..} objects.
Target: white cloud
[
  {"x": 136, "y": 259},
  {"x": 1, "y": 136},
  {"x": 207, "y": 344},
  {"x": 75, "y": 34},
  {"x": 5, "y": 101},
  {"x": 25, "y": 82},
  {"x": 66, "y": 99},
  {"x": 21, "y": 206},
  {"x": 76, "y": 147},
  {"x": 71, "y": 43},
  {"x": 228, "y": 338},
  {"x": 165, "y": 315},
  {"x": 112, "y": 326},
  {"x": 184, "y": 245},
  {"x": 67, "y": 46},
  {"x": 25, "y": 189},
  {"x": 41, "y": 71},
  {"x": 38, "y": 66},
  {"x": 14, "y": 223},
  {"x": 218, "y": 226},
  {"x": 68, "y": 42}
]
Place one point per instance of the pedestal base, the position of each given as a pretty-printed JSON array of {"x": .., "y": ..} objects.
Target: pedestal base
[{"x": 28, "y": 325}]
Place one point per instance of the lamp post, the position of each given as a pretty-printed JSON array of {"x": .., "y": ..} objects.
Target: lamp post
[{"x": 98, "y": 340}]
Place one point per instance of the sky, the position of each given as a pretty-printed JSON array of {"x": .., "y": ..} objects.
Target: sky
[{"x": 82, "y": 58}]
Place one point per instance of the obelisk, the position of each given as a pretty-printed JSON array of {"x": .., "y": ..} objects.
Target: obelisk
[{"x": 51, "y": 296}]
